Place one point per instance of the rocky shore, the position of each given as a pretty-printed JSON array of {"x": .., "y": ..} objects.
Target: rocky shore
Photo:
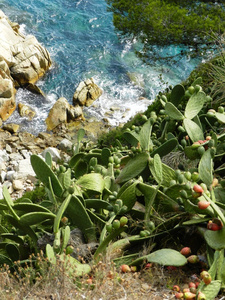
[{"x": 23, "y": 60}]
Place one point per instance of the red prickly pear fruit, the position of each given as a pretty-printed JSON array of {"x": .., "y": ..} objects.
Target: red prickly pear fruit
[
  {"x": 208, "y": 138},
  {"x": 192, "y": 285},
  {"x": 213, "y": 226},
  {"x": 206, "y": 277},
  {"x": 148, "y": 266},
  {"x": 179, "y": 295},
  {"x": 189, "y": 295},
  {"x": 201, "y": 296},
  {"x": 193, "y": 259},
  {"x": 176, "y": 288},
  {"x": 198, "y": 189},
  {"x": 125, "y": 269},
  {"x": 186, "y": 251},
  {"x": 203, "y": 204},
  {"x": 186, "y": 290},
  {"x": 89, "y": 281}
]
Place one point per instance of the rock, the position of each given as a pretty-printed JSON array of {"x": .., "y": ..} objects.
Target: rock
[
  {"x": 3, "y": 155},
  {"x": 8, "y": 148},
  {"x": 10, "y": 175},
  {"x": 26, "y": 111},
  {"x": 62, "y": 112},
  {"x": 54, "y": 153},
  {"x": 7, "y": 91},
  {"x": 2, "y": 176},
  {"x": 65, "y": 145},
  {"x": 22, "y": 61},
  {"x": 17, "y": 185},
  {"x": 86, "y": 93},
  {"x": 11, "y": 127},
  {"x": 24, "y": 169}
]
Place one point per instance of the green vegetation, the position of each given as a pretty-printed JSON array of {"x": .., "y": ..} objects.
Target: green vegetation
[
  {"x": 167, "y": 176},
  {"x": 194, "y": 24}
]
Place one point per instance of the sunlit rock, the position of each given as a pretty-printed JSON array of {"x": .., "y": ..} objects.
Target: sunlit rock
[{"x": 86, "y": 93}]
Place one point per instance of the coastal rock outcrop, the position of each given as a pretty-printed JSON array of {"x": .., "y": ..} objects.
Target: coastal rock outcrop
[
  {"x": 86, "y": 93},
  {"x": 22, "y": 61},
  {"x": 62, "y": 112}
]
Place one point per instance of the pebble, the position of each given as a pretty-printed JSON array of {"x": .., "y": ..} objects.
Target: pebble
[{"x": 17, "y": 185}]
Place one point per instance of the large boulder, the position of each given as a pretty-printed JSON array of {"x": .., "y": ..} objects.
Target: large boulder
[
  {"x": 62, "y": 112},
  {"x": 7, "y": 91},
  {"x": 22, "y": 61},
  {"x": 86, "y": 93}
]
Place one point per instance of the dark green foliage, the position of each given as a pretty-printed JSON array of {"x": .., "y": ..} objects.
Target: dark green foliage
[{"x": 169, "y": 22}]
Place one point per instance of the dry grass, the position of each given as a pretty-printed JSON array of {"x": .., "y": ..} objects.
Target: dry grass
[{"x": 106, "y": 282}]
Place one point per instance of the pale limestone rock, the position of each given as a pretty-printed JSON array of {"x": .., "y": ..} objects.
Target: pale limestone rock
[
  {"x": 22, "y": 62},
  {"x": 54, "y": 153},
  {"x": 17, "y": 185},
  {"x": 62, "y": 112},
  {"x": 24, "y": 169},
  {"x": 86, "y": 93}
]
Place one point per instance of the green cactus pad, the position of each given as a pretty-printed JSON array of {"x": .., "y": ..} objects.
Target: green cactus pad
[
  {"x": 165, "y": 148},
  {"x": 36, "y": 218},
  {"x": 134, "y": 167},
  {"x": 205, "y": 168},
  {"x": 194, "y": 105},
  {"x": 193, "y": 130},
  {"x": 215, "y": 239},
  {"x": 93, "y": 181},
  {"x": 211, "y": 290},
  {"x": 177, "y": 94},
  {"x": 173, "y": 112},
  {"x": 164, "y": 257},
  {"x": 43, "y": 173}
]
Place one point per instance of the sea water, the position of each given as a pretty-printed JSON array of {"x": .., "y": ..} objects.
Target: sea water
[{"x": 83, "y": 43}]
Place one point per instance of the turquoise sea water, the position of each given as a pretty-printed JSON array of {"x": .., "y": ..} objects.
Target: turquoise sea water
[{"x": 82, "y": 41}]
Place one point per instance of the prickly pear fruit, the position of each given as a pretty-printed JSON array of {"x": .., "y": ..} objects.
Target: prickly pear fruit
[
  {"x": 186, "y": 251},
  {"x": 125, "y": 268},
  {"x": 203, "y": 204},
  {"x": 193, "y": 259}
]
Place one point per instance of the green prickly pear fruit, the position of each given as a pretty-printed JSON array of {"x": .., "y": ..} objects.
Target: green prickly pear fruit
[
  {"x": 183, "y": 194},
  {"x": 195, "y": 177},
  {"x": 221, "y": 109},
  {"x": 187, "y": 175},
  {"x": 71, "y": 190},
  {"x": 69, "y": 249},
  {"x": 116, "y": 224},
  {"x": 201, "y": 150},
  {"x": 164, "y": 98},
  {"x": 191, "y": 89},
  {"x": 123, "y": 221},
  {"x": 109, "y": 227}
]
